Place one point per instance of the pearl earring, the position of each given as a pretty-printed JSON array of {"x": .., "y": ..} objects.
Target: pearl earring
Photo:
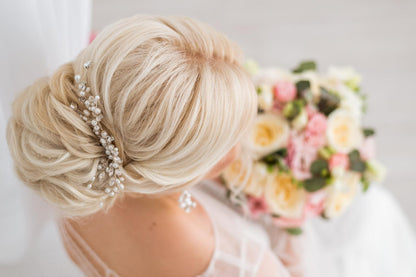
[{"x": 185, "y": 201}]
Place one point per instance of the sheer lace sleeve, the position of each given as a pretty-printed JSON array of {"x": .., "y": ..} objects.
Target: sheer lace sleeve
[{"x": 242, "y": 247}]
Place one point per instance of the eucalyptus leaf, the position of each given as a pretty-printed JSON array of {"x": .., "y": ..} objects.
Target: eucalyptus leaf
[
  {"x": 354, "y": 155},
  {"x": 356, "y": 163},
  {"x": 303, "y": 85},
  {"x": 305, "y": 66},
  {"x": 319, "y": 168},
  {"x": 368, "y": 132},
  {"x": 314, "y": 184},
  {"x": 358, "y": 166},
  {"x": 282, "y": 152}
]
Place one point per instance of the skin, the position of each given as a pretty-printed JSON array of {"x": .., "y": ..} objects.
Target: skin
[{"x": 142, "y": 236}]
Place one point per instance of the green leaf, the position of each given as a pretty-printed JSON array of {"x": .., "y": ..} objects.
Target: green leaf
[
  {"x": 368, "y": 132},
  {"x": 270, "y": 168},
  {"x": 356, "y": 164},
  {"x": 354, "y": 155},
  {"x": 282, "y": 152},
  {"x": 326, "y": 152},
  {"x": 294, "y": 231},
  {"x": 303, "y": 85},
  {"x": 314, "y": 184},
  {"x": 319, "y": 168},
  {"x": 270, "y": 159},
  {"x": 305, "y": 66},
  {"x": 259, "y": 90},
  {"x": 292, "y": 109},
  {"x": 366, "y": 183},
  {"x": 328, "y": 101}
]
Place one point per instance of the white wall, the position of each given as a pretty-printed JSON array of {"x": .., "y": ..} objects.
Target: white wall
[{"x": 378, "y": 38}]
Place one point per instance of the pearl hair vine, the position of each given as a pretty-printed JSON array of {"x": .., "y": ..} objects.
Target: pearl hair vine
[{"x": 111, "y": 164}]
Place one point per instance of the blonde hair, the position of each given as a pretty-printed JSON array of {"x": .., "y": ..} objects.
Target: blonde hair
[{"x": 173, "y": 94}]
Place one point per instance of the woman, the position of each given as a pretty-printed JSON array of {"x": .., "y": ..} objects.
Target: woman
[{"x": 112, "y": 139}]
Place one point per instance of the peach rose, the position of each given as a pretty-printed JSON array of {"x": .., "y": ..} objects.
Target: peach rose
[{"x": 284, "y": 197}]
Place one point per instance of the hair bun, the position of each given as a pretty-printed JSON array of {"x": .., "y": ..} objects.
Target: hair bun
[{"x": 52, "y": 148}]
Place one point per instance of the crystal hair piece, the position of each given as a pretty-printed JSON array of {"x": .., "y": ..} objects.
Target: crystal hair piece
[
  {"x": 111, "y": 164},
  {"x": 185, "y": 201}
]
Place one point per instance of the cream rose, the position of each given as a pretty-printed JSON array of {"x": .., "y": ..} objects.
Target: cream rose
[
  {"x": 284, "y": 197},
  {"x": 265, "y": 97},
  {"x": 343, "y": 132},
  {"x": 270, "y": 133},
  {"x": 341, "y": 192},
  {"x": 256, "y": 182}
]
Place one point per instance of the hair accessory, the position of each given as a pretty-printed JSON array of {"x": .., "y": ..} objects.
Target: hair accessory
[
  {"x": 111, "y": 164},
  {"x": 186, "y": 202}
]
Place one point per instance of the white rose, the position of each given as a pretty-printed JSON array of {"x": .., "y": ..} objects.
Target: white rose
[
  {"x": 284, "y": 197},
  {"x": 350, "y": 101},
  {"x": 265, "y": 97},
  {"x": 344, "y": 131},
  {"x": 341, "y": 193},
  {"x": 270, "y": 132},
  {"x": 376, "y": 172},
  {"x": 345, "y": 74},
  {"x": 269, "y": 76}
]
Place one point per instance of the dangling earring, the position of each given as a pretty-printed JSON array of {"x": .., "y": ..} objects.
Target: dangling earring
[{"x": 185, "y": 201}]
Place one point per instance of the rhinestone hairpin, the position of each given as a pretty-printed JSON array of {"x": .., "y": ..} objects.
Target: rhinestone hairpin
[{"x": 92, "y": 115}]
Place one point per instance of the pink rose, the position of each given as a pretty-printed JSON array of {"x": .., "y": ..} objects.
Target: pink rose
[
  {"x": 339, "y": 159},
  {"x": 310, "y": 110},
  {"x": 315, "y": 130},
  {"x": 286, "y": 222},
  {"x": 368, "y": 149},
  {"x": 315, "y": 140},
  {"x": 315, "y": 203},
  {"x": 257, "y": 206},
  {"x": 300, "y": 155},
  {"x": 316, "y": 124},
  {"x": 284, "y": 91}
]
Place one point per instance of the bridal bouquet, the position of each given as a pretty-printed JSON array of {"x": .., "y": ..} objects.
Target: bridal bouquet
[{"x": 312, "y": 154}]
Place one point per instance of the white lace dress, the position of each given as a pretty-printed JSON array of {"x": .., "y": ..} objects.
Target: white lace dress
[{"x": 242, "y": 247}]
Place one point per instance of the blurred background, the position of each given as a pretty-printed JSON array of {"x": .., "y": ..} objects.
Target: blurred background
[{"x": 378, "y": 38}]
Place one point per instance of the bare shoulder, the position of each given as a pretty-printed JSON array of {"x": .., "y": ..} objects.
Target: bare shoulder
[{"x": 156, "y": 242}]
